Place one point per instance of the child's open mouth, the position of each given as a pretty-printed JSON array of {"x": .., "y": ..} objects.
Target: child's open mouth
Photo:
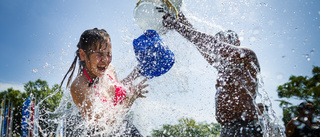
[{"x": 102, "y": 67}]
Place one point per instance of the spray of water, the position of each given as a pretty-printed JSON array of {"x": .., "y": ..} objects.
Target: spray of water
[
  {"x": 164, "y": 104},
  {"x": 67, "y": 119}
]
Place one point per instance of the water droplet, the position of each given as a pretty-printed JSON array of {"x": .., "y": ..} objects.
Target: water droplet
[
  {"x": 279, "y": 76},
  {"x": 34, "y": 70},
  {"x": 319, "y": 12},
  {"x": 296, "y": 123},
  {"x": 312, "y": 51},
  {"x": 293, "y": 50},
  {"x": 45, "y": 66},
  {"x": 270, "y": 43},
  {"x": 308, "y": 59}
]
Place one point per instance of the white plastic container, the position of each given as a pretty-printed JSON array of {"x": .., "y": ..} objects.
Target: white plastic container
[{"x": 147, "y": 16}]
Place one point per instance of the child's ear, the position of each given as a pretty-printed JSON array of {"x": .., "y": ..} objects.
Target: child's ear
[{"x": 83, "y": 55}]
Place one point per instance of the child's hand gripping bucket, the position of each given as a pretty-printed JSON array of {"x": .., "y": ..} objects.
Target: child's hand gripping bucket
[{"x": 154, "y": 57}]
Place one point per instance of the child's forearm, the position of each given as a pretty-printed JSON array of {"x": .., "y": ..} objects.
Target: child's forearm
[{"x": 135, "y": 73}]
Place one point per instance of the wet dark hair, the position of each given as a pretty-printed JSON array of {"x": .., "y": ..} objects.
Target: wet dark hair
[
  {"x": 303, "y": 106},
  {"x": 90, "y": 40}
]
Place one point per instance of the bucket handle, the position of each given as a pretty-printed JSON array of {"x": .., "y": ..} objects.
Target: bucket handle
[{"x": 169, "y": 4}]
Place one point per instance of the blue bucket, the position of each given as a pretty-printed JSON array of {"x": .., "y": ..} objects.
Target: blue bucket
[{"x": 154, "y": 57}]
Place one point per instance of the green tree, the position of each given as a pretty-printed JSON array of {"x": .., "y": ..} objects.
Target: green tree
[
  {"x": 188, "y": 127},
  {"x": 302, "y": 88},
  {"x": 47, "y": 98}
]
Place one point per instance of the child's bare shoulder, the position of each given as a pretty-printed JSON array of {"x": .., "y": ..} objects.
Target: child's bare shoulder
[{"x": 78, "y": 86}]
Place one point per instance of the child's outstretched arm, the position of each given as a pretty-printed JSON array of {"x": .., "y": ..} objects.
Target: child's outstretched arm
[{"x": 135, "y": 73}]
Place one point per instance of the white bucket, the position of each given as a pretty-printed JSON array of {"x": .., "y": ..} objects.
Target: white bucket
[{"x": 147, "y": 16}]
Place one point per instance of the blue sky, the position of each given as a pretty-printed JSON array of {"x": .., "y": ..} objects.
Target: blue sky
[{"x": 38, "y": 39}]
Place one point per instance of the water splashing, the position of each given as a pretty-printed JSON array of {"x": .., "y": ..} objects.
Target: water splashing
[
  {"x": 190, "y": 70},
  {"x": 34, "y": 70},
  {"x": 269, "y": 121}
]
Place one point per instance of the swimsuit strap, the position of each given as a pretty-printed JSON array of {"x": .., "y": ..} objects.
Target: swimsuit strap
[
  {"x": 110, "y": 77},
  {"x": 85, "y": 72},
  {"x": 91, "y": 82}
]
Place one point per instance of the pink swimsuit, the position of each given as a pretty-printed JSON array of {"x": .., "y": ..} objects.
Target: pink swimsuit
[{"x": 120, "y": 92}]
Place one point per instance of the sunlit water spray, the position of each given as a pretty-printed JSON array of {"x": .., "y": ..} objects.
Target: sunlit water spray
[
  {"x": 269, "y": 121},
  {"x": 67, "y": 120},
  {"x": 187, "y": 90}
]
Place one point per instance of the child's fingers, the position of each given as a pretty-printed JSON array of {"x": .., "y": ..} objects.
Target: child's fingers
[
  {"x": 143, "y": 81},
  {"x": 142, "y": 96},
  {"x": 144, "y": 92},
  {"x": 144, "y": 86}
]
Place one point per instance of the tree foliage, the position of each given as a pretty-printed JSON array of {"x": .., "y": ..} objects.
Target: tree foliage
[
  {"x": 188, "y": 127},
  {"x": 48, "y": 98},
  {"x": 302, "y": 88}
]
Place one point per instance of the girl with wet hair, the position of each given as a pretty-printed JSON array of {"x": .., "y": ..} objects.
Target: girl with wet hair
[{"x": 96, "y": 90}]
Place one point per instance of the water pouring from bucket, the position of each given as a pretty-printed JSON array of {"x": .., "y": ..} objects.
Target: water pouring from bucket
[{"x": 147, "y": 16}]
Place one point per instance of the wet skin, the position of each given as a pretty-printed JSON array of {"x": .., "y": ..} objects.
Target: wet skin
[{"x": 237, "y": 67}]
